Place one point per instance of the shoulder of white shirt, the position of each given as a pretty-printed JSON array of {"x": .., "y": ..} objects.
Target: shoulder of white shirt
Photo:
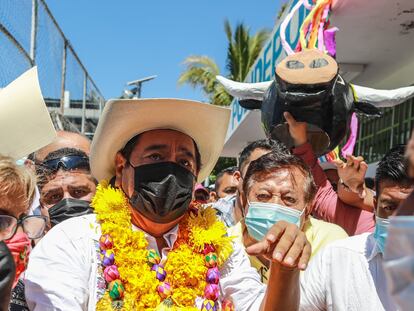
[{"x": 360, "y": 244}]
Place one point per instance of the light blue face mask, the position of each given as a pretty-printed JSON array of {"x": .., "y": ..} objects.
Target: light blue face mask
[
  {"x": 381, "y": 232},
  {"x": 21, "y": 161},
  {"x": 262, "y": 216}
]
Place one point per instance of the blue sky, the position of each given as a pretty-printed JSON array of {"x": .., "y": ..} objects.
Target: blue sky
[{"x": 120, "y": 41}]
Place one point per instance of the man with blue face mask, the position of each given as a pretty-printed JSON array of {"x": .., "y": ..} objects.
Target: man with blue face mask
[
  {"x": 279, "y": 187},
  {"x": 348, "y": 274}
]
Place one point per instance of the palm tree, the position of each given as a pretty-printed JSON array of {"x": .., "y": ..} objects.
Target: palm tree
[{"x": 242, "y": 51}]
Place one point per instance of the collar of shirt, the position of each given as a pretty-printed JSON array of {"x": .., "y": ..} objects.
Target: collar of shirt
[
  {"x": 371, "y": 248},
  {"x": 169, "y": 237}
]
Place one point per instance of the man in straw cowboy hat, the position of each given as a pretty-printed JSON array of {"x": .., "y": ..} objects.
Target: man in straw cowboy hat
[{"x": 148, "y": 247}]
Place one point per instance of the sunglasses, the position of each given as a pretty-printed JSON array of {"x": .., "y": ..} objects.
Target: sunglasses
[
  {"x": 33, "y": 225},
  {"x": 67, "y": 163}
]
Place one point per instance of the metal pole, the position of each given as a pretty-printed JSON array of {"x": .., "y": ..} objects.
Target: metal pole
[
  {"x": 33, "y": 31},
  {"x": 139, "y": 90},
  {"x": 84, "y": 104},
  {"x": 16, "y": 43},
  {"x": 63, "y": 76},
  {"x": 392, "y": 128}
]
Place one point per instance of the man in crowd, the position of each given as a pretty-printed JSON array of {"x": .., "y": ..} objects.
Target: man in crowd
[
  {"x": 225, "y": 189},
  {"x": 225, "y": 184},
  {"x": 63, "y": 139},
  {"x": 268, "y": 187},
  {"x": 348, "y": 274},
  {"x": 66, "y": 185},
  {"x": 147, "y": 155}
]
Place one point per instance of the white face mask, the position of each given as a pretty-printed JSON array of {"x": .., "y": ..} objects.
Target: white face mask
[
  {"x": 262, "y": 216},
  {"x": 399, "y": 261}
]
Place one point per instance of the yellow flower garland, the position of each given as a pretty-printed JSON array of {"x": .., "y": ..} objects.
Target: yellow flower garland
[{"x": 130, "y": 249}]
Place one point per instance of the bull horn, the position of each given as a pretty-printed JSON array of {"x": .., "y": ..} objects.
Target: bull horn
[
  {"x": 383, "y": 98},
  {"x": 243, "y": 90}
]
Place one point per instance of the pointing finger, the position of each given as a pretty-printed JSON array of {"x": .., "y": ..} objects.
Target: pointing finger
[{"x": 289, "y": 118}]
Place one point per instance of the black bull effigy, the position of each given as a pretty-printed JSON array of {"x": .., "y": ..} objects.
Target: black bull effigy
[{"x": 309, "y": 86}]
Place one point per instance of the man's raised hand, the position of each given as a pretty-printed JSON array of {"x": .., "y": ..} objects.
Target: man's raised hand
[{"x": 352, "y": 173}]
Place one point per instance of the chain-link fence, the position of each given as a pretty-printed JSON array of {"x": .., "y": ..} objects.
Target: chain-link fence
[{"x": 29, "y": 36}]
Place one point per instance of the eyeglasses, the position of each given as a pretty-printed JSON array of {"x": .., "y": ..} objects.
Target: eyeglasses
[
  {"x": 33, "y": 226},
  {"x": 67, "y": 163}
]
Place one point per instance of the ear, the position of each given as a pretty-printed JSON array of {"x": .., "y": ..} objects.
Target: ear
[
  {"x": 237, "y": 176},
  {"x": 251, "y": 104},
  {"x": 213, "y": 196},
  {"x": 120, "y": 163},
  {"x": 367, "y": 109},
  {"x": 243, "y": 202}
]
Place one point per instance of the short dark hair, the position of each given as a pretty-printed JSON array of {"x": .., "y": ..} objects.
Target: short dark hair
[
  {"x": 229, "y": 170},
  {"x": 393, "y": 167},
  {"x": 273, "y": 161},
  {"x": 265, "y": 144},
  {"x": 130, "y": 145}
]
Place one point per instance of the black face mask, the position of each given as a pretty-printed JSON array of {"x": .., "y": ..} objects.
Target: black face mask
[
  {"x": 68, "y": 208},
  {"x": 163, "y": 191}
]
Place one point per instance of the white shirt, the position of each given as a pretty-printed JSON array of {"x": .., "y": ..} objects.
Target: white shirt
[
  {"x": 63, "y": 270},
  {"x": 35, "y": 207},
  {"x": 346, "y": 275}
]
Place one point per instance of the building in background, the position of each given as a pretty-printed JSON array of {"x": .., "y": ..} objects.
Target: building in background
[
  {"x": 30, "y": 36},
  {"x": 375, "y": 44}
]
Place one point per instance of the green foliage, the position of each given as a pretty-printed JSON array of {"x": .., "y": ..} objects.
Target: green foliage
[
  {"x": 242, "y": 51},
  {"x": 221, "y": 164}
]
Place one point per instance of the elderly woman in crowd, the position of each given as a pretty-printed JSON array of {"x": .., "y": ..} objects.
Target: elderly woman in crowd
[{"x": 17, "y": 186}]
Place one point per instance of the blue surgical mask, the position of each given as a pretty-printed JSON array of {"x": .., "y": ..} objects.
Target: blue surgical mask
[
  {"x": 381, "y": 232},
  {"x": 262, "y": 216},
  {"x": 21, "y": 161}
]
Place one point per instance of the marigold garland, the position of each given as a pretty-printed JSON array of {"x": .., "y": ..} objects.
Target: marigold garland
[{"x": 196, "y": 230}]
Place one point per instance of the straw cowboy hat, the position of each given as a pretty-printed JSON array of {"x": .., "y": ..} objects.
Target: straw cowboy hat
[
  {"x": 25, "y": 124},
  {"x": 123, "y": 119}
]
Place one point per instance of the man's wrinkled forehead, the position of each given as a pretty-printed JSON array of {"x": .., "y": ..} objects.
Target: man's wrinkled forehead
[{"x": 389, "y": 189}]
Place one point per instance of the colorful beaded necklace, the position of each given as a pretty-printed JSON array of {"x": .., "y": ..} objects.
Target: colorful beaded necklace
[{"x": 137, "y": 279}]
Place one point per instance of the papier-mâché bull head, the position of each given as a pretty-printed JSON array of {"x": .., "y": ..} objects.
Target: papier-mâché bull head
[{"x": 308, "y": 85}]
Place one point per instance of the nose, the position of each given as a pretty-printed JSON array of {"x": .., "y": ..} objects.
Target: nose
[
  {"x": 19, "y": 228},
  {"x": 67, "y": 195},
  {"x": 276, "y": 200}
]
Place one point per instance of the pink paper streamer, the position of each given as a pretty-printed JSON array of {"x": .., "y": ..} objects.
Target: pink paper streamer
[
  {"x": 348, "y": 149},
  {"x": 330, "y": 42}
]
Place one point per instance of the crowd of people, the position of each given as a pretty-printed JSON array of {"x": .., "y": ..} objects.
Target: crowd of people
[{"x": 124, "y": 222}]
